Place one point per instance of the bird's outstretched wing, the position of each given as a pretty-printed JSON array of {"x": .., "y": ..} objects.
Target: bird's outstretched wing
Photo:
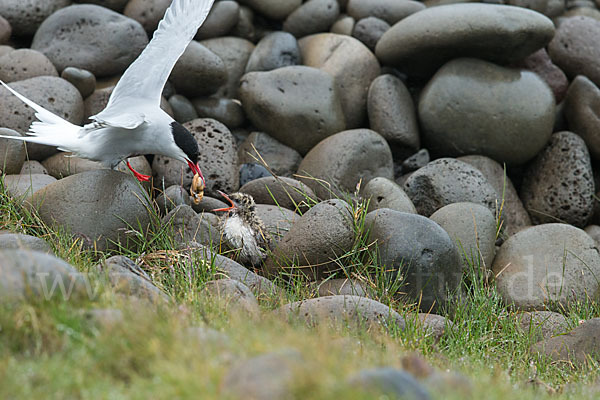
[{"x": 145, "y": 78}]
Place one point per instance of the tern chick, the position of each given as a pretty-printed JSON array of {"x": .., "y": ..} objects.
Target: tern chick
[{"x": 243, "y": 230}]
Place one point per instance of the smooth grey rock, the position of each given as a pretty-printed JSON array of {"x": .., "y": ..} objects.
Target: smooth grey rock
[
  {"x": 98, "y": 206},
  {"x": 82, "y": 79},
  {"x": 550, "y": 8},
  {"x": 279, "y": 158},
  {"x": 33, "y": 167},
  {"x": 385, "y": 193},
  {"x": 218, "y": 159},
  {"x": 30, "y": 274},
  {"x": 183, "y": 109},
  {"x": 235, "y": 53},
  {"x": 559, "y": 184},
  {"x": 422, "y": 42},
  {"x": 492, "y": 108},
  {"x": 445, "y": 181},
  {"x": 311, "y": 17},
  {"x": 126, "y": 277},
  {"x": 540, "y": 63},
  {"x": 90, "y": 37},
  {"x": 547, "y": 267},
  {"x": 234, "y": 294},
  {"x": 284, "y": 192},
  {"x": 23, "y": 64},
  {"x": 338, "y": 163},
  {"x": 21, "y": 241},
  {"x": 62, "y": 165},
  {"x": 578, "y": 346},
  {"x": 418, "y": 160},
  {"x": 581, "y": 111},
  {"x": 245, "y": 25},
  {"x": 369, "y": 30},
  {"x": 223, "y": 16},
  {"x": 12, "y": 153},
  {"x": 389, "y": 383},
  {"x": 390, "y": 11},
  {"x": 315, "y": 241},
  {"x": 343, "y": 26},
  {"x": 540, "y": 325},
  {"x": 352, "y": 66},
  {"x": 226, "y": 111},
  {"x": 341, "y": 287},
  {"x": 473, "y": 228},
  {"x": 19, "y": 187},
  {"x": 147, "y": 12},
  {"x": 251, "y": 171},
  {"x": 172, "y": 197},
  {"x": 276, "y": 50},
  {"x": 594, "y": 232},
  {"x": 5, "y": 31},
  {"x": 356, "y": 310},
  {"x": 392, "y": 112},
  {"x": 198, "y": 72},
  {"x": 116, "y": 5},
  {"x": 298, "y": 105},
  {"x": 419, "y": 253},
  {"x": 274, "y": 9},
  {"x": 434, "y": 324},
  {"x": 26, "y": 16},
  {"x": 277, "y": 220},
  {"x": 189, "y": 227}
]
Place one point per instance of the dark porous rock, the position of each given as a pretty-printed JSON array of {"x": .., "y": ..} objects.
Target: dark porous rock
[
  {"x": 341, "y": 287},
  {"x": 276, "y": 50},
  {"x": 445, "y": 181},
  {"x": 311, "y": 17},
  {"x": 82, "y": 79},
  {"x": 54, "y": 94},
  {"x": 33, "y": 167},
  {"x": 5, "y": 31},
  {"x": 283, "y": 192},
  {"x": 315, "y": 241},
  {"x": 473, "y": 228},
  {"x": 559, "y": 184},
  {"x": 147, "y": 12},
  {"x": 575, "y": 49},
  {"x": 298, "y": 105},
  {"x": 198, "y": 72},
  {"x": 278, "y": 157},
  {"x": 99, "y": 206},
  {"x": 172, "y": 197},
  {"x": 343, "y": 26},
  {"x": 66, "y": 35},
  {"x": 62, "y": 165},
  {"x": 26, "y": 16},
  {"x": 126, "y": 277},
  {"x": 12, "y": 153},
  {"x": 352, "y": 66},
  {"x": 30, "y": 274},
  {"x": 385, "y": 193},
  {"x": 387, "y": 382},
  {"x": 274, "y": 9},
  {"x": 19, "y": 187},
  {"x": 492, "y": 108},
  {"x": 277, "y": 220},
  {"x": 417, "y": 251},
  {"x": 514, "y": 216},
  {"x": 226, "y": 111},
  {"x": 23, "y": 64},
  {"x": 234, "y": 294},
  {"x": 581, "y": 107},
  {"x": 547, "y": 267},
  {"x": 392, "y": 112},
  {"x": 260, "y": 286},
  {"x": 579, "y": 346},
  {"x": 418, "y": 160},
  {"x": 540, "y": 325},
  {"x": 550, "y": 8},
  {"x": 540, "y": 63},
  {"x": 390, "y": 11},
  {"x": 369, "y": 30},
  {"x": 20, "y": 241},
  {"x": 218, "y": 159},
  {"x": 338, "y": 163},
  {"x": 222, "y": 18},
  {"x": 183, "y": 109},
  {"x": 270, "y": 376},
  {"x": 422, "y": 42},
  {"x": 434, "y": 324},
  {"x": 188, "y": 227},
  {"x": 356, "y": 310},
  {"x": 235, "y": 53},
  {"x": 251, "y": 171}
]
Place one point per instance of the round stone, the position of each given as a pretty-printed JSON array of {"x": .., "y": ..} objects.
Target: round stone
[
  {"x": 311, "y": 17},
  {"x": 547, "y": 267},
  {"x": 277, "y": 220},
  {"x": 235, "y": 53},
  {"x": 23, "y": 64},
  {"x": 66, "y": 35},
  {"x": 26, "y": 16},
  {"x": 550, "y": 8},
  {"x": 234, "y": 294},
  {"x": 147, "y": 12},
  {"x": 5, "y": 31},
  {"x": 540, "y": 325},
  {"x": 582, "y": 112},
  {"x": 297, "y": 105},
  {"x": 276, "y": 50},
  {"x": 19, "y": 187},
  {"x": 343, "y": 26},
  {"x": 274, "y": 9},
  {"x": 12, "y": 153},
  {"x": 559, "y": 184},
  {"x": 540, "y": 63},
  {"x": 391, "y": 11},
  {"x": 250, "y": 172},
  {"x": 82, "y": 79},
  {"x": 422, "y": 42},
  {"x": 369, "y": 30},
  {"x": 475, "y": 107},
  {"x": 224, "y": 110},
  {"x": 223, "y": 16},
  {"x": 245, "y": 26},
  {"x": 337, "y": 164},
  {"x": 260, "y": 147},
  {"x": 33, "y": 167},
  {"x": 20, "y": 241},
  {"x": 385, "y": 193},
  {"x": 183, "y": 109},
  {"x": 280, "y": 191},
  {"x": 198, "y": 72},
  {"x": 172, "y": 197}
]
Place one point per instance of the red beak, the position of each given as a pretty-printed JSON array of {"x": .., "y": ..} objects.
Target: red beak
[
  {"x": 196, "y": 170},
  {"x": 231, "y": 205}
]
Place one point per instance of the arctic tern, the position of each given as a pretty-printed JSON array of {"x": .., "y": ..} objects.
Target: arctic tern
[{"x": 132, "y": 123}]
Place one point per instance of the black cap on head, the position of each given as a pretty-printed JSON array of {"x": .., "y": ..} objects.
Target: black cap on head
[{"x": 185, "y": 141}]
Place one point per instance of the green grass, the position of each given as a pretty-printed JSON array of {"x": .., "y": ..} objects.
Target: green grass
[{"x": 49, "y": 349}]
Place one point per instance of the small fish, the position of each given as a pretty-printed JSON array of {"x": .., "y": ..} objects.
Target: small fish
[{"x": 197, "y": 189}]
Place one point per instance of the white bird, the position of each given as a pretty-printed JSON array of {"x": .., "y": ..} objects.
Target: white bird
[{"x": 132, "y": 123}]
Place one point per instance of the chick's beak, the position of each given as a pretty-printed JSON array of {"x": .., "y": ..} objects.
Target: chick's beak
[
  {"x": 231, "y": 205},
  {"x": 196, "y": 170}
]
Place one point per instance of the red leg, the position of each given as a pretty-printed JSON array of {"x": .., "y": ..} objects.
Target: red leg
[{"x": 140, "y": 177}]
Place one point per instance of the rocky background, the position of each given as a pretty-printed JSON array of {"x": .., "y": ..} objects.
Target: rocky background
[{"x": 472, "y": 129}]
